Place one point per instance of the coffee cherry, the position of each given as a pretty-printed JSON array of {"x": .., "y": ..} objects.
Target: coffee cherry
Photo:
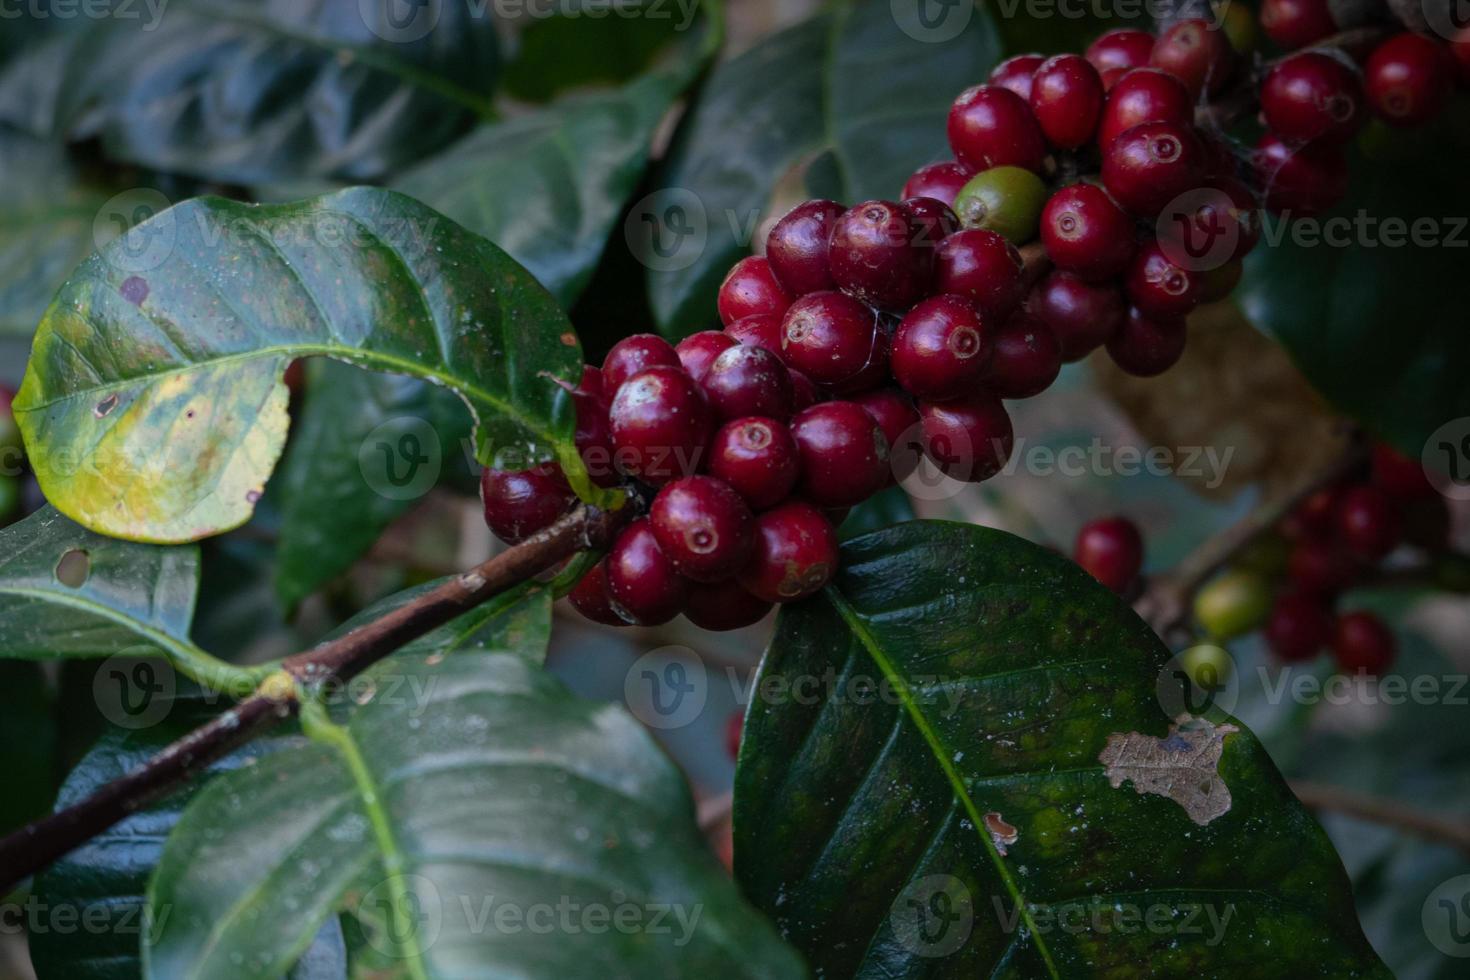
[
  {"x": 1313, "y": 518},
  {"x": 1086, "y": 233},
  {"x": 932, "y": 220},
  {"x": 1016, "y": 73},
  {"x": 1110, "y": 549},
  {"x": 1196, "y": 53},
  {"x": 844, "y": 457},
  {"x": 941, "y": 181},
  {"x": 1400, "y": 477},
  {"x": 804, "y": 391},
  {"x": 795, "y": 553},
  {"x": 1408, "y": 79},
  {"x": 1027, "y": 358},
  {"x": 1144, "y": 95},
  {"x": 748, "y": 381},
  {"x": 1112, "y": 76},
  {"x": 703, "y": 527},
  {"x": 1298, "y": 628},
  {"x": 643, "y": 587},
  {"x": 990, "y": 126},
  {"x": 758, "y": 458},
  {"x": 982, "y": 266},
  {"x": 761, "y": 330},
  {"x": 1005, "y": 200},
  {"x": 797, "y": 247},
  {"x": 633, "y": 354},
  {"x": 1082, "y": 316},
  {"x": 520, "y": 503},
  {"x": 1158, "y": 288},
  {"x": 1228, "y": 209},
  {"x": 723, "y": 607},
  {"x": 1121, "y": 48},
  {"x": 898, "y": 420},
  {"x": 876, "y": 257},
  {"x": 1233, "y": 604},
  {"x": 589, "y": 597},
  {"x": 1320, "y": 568},
  {"x": 1067, "y": 98},
  {"x": 593, "y": 435},
  {"x": 660, "y": 425},
  {"x": 1145, "y": 347},
  {"x": 970, "y": 438},
  {"x": 1367, "y": 522},
  {"x": 1312, "y": 95},
  {"x": 941, "y": 348},
  {"x": 1295, "y": 24},
  {"x": 1304, "y": 180},
  {"x": 751, "y": 288},
  {"x": 829, "y": 336},
  {"x": 698, "y": 351},
  {"x": 875, "y": 372},
  {"x": 1361, "y": 644},
  {"x": 1150, "y": 165}
]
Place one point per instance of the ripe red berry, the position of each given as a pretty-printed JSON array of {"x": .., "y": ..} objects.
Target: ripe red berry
[
  {"x": 1295, "y": 24},
  {"x": 898, "y": 420},
  {"x": 1400, "y": 477},
  {"x": 1081, "y": 315},
  {"x": 1016, "y": 73},
  {"x": 748, "y": 380},
  {"x": 751, "y": 288},
  {"x": 643, "y": 586},
  {"x": 698, "y": 351},
  {"x": 520, "y": 503},
  {"x": 1367, "y": 522},
  {"x": 797, "y": 248},
  {"x": 1313, "y": 95},
  {"x": 1298, "y": 628},
  {"x": 876, "y": 256},
  {"x": 970, "y": 438},
  {"x": 660, "y": 425},
  {"x": 761, "y": 330},
  {"x": 1305, "y": 180},
  {"x": 703, "y": 527},
  {"x": 1313, "y": 518},
  {"x": 593, "y": 435},
  {"x": 1027, "y": 358},
  {"x": 1196, "y": 53},
  {"x": 591, "y": 382},
  {"x": 1150, "y": 165},
  {"x": 1145, "y": 347},
  {"x": 589, "y": 597},
  {"x": 1219, "y": 223},
  {"x": 758, "y": 458},
  {"x": 1362, "y": 644},
  {"x": 1111, "y": 551},
  {"x": 1157, "y": 287},
  {"x": 990, "y": 126},
  {"x": 1320, "y": 568},
  {"x": 804, "y": 391},
  {"x": 1144, "y": 95},
  {"x": 633, "y": 354},
  {"x": 1086, "y": 233},
  {"x": 941, "y": 181},
  {"x": 979, "y": 264},
  {"x": 930, "y": 219},
  {"x": 722, "y": 607},
  {"x": 844, "y": 457},
  {"x": 941, "y": 348},
  {"x": 829, "y": 336},
  {"x": 1121, "y": 48},
  {"x": 1408, "y": 79},
  {"x": 795, "y": 553},
  {"x": 1067, "y": 98}
]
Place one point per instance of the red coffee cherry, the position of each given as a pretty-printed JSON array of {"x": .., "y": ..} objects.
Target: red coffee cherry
[
  {"x": 875, "y": 372},
  {"x": 593, "y": 435},
  {"x": 1015, "y": 73},
  {"x": 723, "y": 607},
  {"x": 1121, "y": 48},
  {"x": 795, "y": 553},
  {"x": 1144, "y": 95},
  {"x": 1368, "y": 523},
  {"x": 1320, "y": 568},
  {"x": 1086, "y": 233},
  {"x": 589, "y": 597},
  {"x": 1152, "y": 164},
  {"x": 983, "y": 266},
  {"x": 1067, "y": 98},
  {"x": 698, "y": 351},
  {"x": 518, "y": 504},
  {"x": 643, "y": 586},
  {"x": 1399, "y": 476},
  {"x": 1408, "y": 79},
  {"x": 1111, "y": 551},
  {"x": 876, "y": 257},
  {"x": 1313, "y": 95},
  {"x": 758, "y": 458},
  {"x": 660, "y": 425},
  {"x": 941, "y": 181},
  {"x": 898, "y": 420},
  {"x": 829, "y": 336},
  {"x": 1313, "y": 518},
  {"x": 1362, "y": 644},
  {"x": 1295, "y": 24},
  {"x": 633, "y": 354},
  {"x": 932, "y": 220},
  {"x": 941, "y": 349},
  {"x": 1298, "y": 628},
  {"x": 1027, "y": 358},
  {"x": 703, "y": 527},
  {"x": 844, "y": 457},
  {"x": 1197, "y": 54},
  {"x": 970, "y": 438},
  {"x": 804, "y": 391},
  {"x": 1081, "y": 315},
  {"x": 1145, "y": 347},
  {"x": 797, "y": 248},
  {"x": 1304, "y": 181},
  {"x": 748, "y": 381},
  {"x": 591, "y": 382},
  {"x": 1158, "y": 288},
  {"x": 761, "y": 330},
  {"x": 990, "y": 126},
  {"x": 750, "y": 288}
]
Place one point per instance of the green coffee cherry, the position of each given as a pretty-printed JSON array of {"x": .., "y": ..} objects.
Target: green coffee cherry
[
  {"x": 1239, "y": 25},
  {"x": 1233, "y": 604},
  {"x": 1005, "y": 200},
  {"x": 1209, "y": 667}
]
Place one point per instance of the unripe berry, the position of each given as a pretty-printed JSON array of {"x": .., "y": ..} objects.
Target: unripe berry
[
  {"x": 982, "y": 266},
  {"x": 795, "y": 553},
  {"x": 1027, "y": 358},
  {"x": 1144, "y": 95},
  {"x": 1017, "y": 73},
  {"x": 761, "y": 330},
  {"x": 1086, "y": 233},
  {"x": 898, "y": 420},
  {"x": 1158, "y": 288},
  {"x": 1367, "y": 523},
  {"x": 1408, "y": 79},
  {"x": 844, "y": 457},
  {"x": 1233, "y": 604},
  {"x": 1145, "y": 347},
  {"x": 748, "y": 381},
  {"x": 876, "y": 257},
  {"x": 1298, "y": 628},
  {"x": 941, "y": 348},
  {"x": 1362, "y": 644},
  {"x": 1067, "y": 98},
  {"x": 1110, "y": 550},
  {"x": 829, "y": 336},
  {"x": 660, "y": 425},
  {"x": 723, "y": 607},
  {"x": 1196, "y": 53},
  {"x": 518, "y": 504},
  {"x": 1081, "y": 315},
  {"x": 1312, "y": 95},
  {"x": 941, "y": 181},
  {"x": 703, "y": 527},
  {"x": 631, "y": 355},
  {"x": 970, "y": 438},
  {"x": 698, "y": 351},
  {"x": 1304, "y": 180},
  {"x": 758, "y": 458},
  {"x": 1295, "y": 24},
  {"x": 797, "y": 247},
  {"x": 1152, "y": 164},
  {"x": 990, "y": 126},
  {"x": 1005, "y": 200},
  {"x": 643, "y": 586},
  {"x": 751, "y": 288},
  {"x": 589, "y": 597},
  {"x": 1121, "y": 48}
]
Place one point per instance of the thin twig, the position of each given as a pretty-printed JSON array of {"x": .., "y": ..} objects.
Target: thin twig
[{"x": 1389, "y": 813}]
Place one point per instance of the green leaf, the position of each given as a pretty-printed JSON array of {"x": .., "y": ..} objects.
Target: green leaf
[
  {"x": 436, "y": 823},
  {"x": 154, "y": 406},
  {"x": 852, "y": 84},
  {"x": 943, "y": 807}
]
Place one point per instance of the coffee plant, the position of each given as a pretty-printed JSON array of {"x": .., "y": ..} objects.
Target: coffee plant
[{"x": 714, "y": 312}]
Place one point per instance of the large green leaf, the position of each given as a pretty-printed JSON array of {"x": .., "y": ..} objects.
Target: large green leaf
[
  {"x": 943, "y": 807},
  {"x": 854, "y": 85},
  {"x": 450, "y": 827},
  {"x": 154, "y": 404}
]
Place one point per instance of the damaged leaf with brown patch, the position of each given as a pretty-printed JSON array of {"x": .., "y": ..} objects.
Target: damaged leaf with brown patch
[{"x": 1183, "y": 765}]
